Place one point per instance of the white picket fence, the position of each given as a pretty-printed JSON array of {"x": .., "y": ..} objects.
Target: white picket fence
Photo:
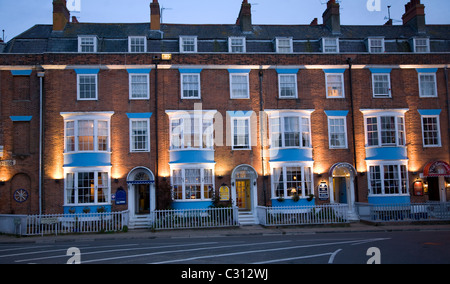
[
  {"x": 195, "y": 218},
  {"x": 430, "y": 211},
  {"x": 55, "y": 224},
  {"x": 303, "y": 215}
]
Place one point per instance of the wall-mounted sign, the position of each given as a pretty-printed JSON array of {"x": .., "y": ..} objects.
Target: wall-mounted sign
[
  {"x": 121, "y": 196},
  {"x": 323, "y": 191},
  {"x": 418, "y": 188},
  {"x": 224, "y": 193}
]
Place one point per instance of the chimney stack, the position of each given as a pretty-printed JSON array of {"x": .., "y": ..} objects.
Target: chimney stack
[
  {"x": 155, "y": 16},
  {"x": 245, "y": 17},
  {"x": 415, "y": 15},
  {"x": 332, "y": 18},
  {"x": 61, "y": 15}
]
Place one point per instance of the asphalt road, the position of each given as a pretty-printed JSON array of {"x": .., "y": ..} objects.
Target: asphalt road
[{"x": 421, "y": 247}]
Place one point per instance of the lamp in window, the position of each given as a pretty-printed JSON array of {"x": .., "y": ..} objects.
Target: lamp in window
[{"x": 193, "y": 196}]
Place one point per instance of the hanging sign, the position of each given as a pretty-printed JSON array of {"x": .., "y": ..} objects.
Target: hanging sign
[{"x": 224, "y": 193}]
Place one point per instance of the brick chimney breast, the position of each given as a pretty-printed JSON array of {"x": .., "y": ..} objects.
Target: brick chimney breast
[
  {"x": 155, "y": 16},
  {"x": 61, "y": 15},
  {"x": 332, "y": 18},
  {"x": 245, "y": 17},
  {"x": 415, "y": 16}
]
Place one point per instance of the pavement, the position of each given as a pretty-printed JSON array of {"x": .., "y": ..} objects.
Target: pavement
[{"x": 253, "y": 230}]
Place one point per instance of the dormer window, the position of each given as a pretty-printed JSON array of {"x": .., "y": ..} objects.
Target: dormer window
[
  {"x": 137, "y": 44},
  {"x": 376, "y": 45},
  {"x": 330, "y": 45},
  {"x": 421, "y": 45},
  {"x": 236, "y": 45},
  {"x": 284, "y": 45},
  {"x": 188, "y": 44},
  {"x": 87, "y": 44}
]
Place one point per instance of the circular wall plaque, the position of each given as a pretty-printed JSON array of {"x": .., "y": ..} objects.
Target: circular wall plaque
[{"x": 20, "y": 195}]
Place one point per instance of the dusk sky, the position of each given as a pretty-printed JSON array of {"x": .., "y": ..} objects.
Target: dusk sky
[{"x": 17, "y": 16}]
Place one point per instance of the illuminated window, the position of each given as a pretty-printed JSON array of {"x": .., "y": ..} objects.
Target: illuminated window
[
  {"x": 335, "y": 85},
  {"x": 192, "y": 183},
  {"x": 87, "y": 132},
  {"x": 87, "y": 188},
  {"x": 388, "y": 179},
  {"x": 292, "y": 179}
]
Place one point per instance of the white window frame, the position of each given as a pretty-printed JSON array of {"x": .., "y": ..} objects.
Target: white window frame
[
  {"x": 130, "y": 44},
  {"x": 427, "y": 46},
  {"x": 130, "y": 78},
  {"x": 183, "y": 168},
  {"x": 402, "y": 181},
  {"x": 341, "y": 75},
  {"x": 421, "y": 93},
  {"x": 76, "y": 172},
  {"x": 96, "y": 117},
  {"x": 345, "y": 146},
  {"x": 438, "y": 125},
  {"x": 389, "y": 94},
  {"x": 231, "y": 45},
  {"x": 295, "y": 96},
  {"x": 278, "y": 45},
  {"x": 288, "y": 194},
  {"x": 300, "y": 115},
  {"x": 81, "y": 45},
  {"x": 182, "y": 44},
  {"x": 325, "y": 46},
  {"x": 399, "y": 140},
  {"x": 79, "y": 90},
  {"x": 249, "y": 133},
  {"x": 132, "y": 148},
  {"x": 371, "y": 45},
  {"x": 182, "y": 75},
  {"x": 246, "y": 75}
]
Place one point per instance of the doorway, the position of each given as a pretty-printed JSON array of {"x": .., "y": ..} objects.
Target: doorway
[
  {"x": 340, "y": 189},
  {"x": 244, "y": 188},
  {"x": 141, "y": 190},
  {"x": 142, "y": 194},
  {"x": 437, "y": 189},
  {"x": 243, "y": 199}
]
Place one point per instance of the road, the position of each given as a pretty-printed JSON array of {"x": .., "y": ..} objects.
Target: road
[{"x": 341, "y": 248}]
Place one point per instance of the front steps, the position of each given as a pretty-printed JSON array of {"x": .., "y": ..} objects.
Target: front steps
[{"x": 247, "y": 218}]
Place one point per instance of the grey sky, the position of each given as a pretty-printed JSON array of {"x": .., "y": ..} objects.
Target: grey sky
[{"x": 16, "y": 16}]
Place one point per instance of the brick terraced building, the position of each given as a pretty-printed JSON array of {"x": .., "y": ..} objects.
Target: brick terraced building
[{"x": 108, "y": 115}]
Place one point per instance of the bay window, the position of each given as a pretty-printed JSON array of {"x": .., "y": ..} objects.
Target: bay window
[
  {"x": 87, "y": 187},
  {"x": 291, "y": 179},
  {"x": 87, "y": 132},
  {"x": 385, "y": 130},
  {"x": 388, "y": 178},
  {"x": 192, "y": 183},
  {"x": 290, "y": 130}
]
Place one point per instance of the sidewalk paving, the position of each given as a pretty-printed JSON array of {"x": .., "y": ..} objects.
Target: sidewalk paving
[{"x": 254, "y": 230}]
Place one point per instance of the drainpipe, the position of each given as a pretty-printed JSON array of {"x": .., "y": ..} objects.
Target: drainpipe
[
  {"x": 156, "y": 60},
  {"x": 41, "y": 135},
  {"x": 448, "y": 100},
  {"x": 349, "y": 62},
  {"x": 261, "y": 123}
]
